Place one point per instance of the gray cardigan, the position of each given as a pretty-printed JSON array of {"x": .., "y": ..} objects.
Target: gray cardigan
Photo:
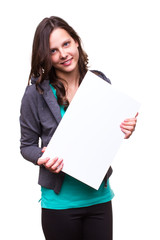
[{"x": 40, "y": 116}]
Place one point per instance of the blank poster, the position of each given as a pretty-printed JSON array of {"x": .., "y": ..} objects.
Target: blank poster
[{"x": 89, "y": 135}]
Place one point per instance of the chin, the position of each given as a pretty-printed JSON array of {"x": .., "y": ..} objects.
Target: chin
[{"x": 69, "y": 69}]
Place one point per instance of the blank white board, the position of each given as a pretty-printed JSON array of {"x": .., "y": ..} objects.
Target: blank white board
[{"x": 89, "y": 135}]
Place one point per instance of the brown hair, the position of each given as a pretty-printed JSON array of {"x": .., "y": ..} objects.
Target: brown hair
[{"x": 41, "y": 65}]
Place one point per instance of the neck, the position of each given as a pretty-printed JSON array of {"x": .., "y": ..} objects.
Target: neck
[
  {"x": 71, "y": 78},
  {"x": 71, "y": 83}
]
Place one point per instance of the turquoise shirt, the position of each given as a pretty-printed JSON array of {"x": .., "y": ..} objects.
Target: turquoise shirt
[{"x": 74, "y": 194}]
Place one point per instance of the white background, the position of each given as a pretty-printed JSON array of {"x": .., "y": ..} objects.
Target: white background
[{"x": 122, "y": 40}]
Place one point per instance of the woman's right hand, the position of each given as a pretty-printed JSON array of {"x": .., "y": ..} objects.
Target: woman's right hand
[{"x": 54, "y": 165}]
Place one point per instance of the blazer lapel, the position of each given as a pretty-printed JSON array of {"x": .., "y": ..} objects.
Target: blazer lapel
[{"x": 51, "y": 100}]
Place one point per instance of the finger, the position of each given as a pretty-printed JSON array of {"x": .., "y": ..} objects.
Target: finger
[
  {"x": 42, "y": 161},
  {"x": 44, "y": 149},
  {"x": 130, "y": 120},
  {"x": 127, "y": 133},
  {"x": 59, "y": 168},
  {"x": 128, "y": 127},
  {"x": 51, "y": 162},
  {"x": 131, "y": 123},
  {"x": 137, "y": 115},
  {"x": 55, "y": 166}
]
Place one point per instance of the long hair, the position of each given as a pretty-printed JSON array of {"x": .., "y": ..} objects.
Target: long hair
[{"x": 41, "y": 64}]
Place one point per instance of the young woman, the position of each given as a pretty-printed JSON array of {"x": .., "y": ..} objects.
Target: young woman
[{"x": 70, "y": 209}]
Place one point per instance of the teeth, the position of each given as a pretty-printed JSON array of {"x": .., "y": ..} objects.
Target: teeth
[{"x": 67, "y": 61}]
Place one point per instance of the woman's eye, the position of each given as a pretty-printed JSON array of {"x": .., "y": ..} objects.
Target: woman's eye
[
  {"x": 66, "y": 44},
  {"x": 53, "y": 51}
]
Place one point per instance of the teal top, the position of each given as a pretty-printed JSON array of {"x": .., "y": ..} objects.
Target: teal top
[{"x": 74, "y": 194}]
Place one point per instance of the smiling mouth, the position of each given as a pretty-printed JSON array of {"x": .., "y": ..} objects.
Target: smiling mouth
[{"x": 67, "y": 63}]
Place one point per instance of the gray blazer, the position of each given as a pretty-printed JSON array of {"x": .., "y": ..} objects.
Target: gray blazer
[{"x": 39, "y": 118}]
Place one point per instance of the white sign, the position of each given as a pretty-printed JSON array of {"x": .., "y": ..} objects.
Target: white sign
[{"x": 89, "y": 135}]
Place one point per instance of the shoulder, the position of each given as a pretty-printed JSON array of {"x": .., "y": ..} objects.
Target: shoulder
[
  {"x": 30, "y": 93},
  {"x": 31, "y": 98},
  {"x": 101, "y": 75},
  {"x": 34, "y": 91}
]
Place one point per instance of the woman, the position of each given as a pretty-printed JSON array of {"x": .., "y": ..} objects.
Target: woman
[{"x": 70, "y": 209}]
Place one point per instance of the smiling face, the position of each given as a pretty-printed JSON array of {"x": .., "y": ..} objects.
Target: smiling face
[{"x": 64, "y": 51}]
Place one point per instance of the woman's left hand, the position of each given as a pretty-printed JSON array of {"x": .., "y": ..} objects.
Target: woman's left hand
[{"x": 128, "y": 126}]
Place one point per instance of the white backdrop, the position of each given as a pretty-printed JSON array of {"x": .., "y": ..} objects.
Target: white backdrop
[{"x": 122, "y": 39}]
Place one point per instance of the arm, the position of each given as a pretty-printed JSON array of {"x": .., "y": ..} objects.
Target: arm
[
  {"x": 31, "y": 131},
  {"x": 30, "y": 126}
]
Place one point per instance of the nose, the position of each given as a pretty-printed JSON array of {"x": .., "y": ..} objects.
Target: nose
[{"x": 63, "y": 54}]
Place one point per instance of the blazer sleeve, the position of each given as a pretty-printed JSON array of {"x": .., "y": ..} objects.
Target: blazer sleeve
[
  {"x": 101, "y": 75},
  {"x": 30, "y": 126}
]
